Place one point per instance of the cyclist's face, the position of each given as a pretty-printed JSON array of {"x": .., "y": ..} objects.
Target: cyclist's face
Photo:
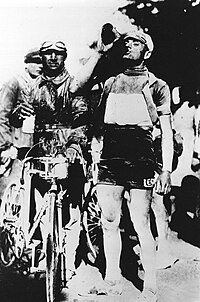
[
  {"x": 34, "y": 69},
  {"x": 134, "y": 49},
  {"x": 53, "y": 61}
]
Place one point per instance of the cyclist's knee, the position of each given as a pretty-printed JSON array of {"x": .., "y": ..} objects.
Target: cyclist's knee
[{"x": 111, "y": 221}]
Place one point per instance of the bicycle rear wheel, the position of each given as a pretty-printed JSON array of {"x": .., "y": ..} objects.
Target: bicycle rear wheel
[
  {"x": 12, "y": 239},
  {"x": 53, "y": 256}
]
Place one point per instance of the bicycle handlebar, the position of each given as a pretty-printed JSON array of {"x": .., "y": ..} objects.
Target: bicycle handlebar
[{"x": 52, "y": 167}]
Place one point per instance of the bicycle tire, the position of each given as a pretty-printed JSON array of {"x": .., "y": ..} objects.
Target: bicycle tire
[
  {"x": 92, "y": 227},
  {"x": 7, "y": 256},
  {"x": 12, "y": 240},
  {"x": 53, "y": 257}
]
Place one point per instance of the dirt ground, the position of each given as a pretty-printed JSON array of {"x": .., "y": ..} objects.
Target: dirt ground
[{"x": 181, "y": 282}]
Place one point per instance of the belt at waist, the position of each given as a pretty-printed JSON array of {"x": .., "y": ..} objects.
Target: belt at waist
[{"x": 127, "y": 127}]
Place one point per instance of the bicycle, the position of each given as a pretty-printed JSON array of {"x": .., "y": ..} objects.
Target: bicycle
[{"x": 17, "y": 234}]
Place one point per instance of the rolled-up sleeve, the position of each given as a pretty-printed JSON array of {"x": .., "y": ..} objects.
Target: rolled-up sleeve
[{"x": 162, "y": 97}]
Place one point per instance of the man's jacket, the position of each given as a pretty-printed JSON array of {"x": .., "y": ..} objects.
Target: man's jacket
[
  {"x": 12, "y": 93},
  {"x": 56, "y": 107}
]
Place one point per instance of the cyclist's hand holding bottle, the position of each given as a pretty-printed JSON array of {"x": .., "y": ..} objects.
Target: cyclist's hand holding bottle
[{"x": 24, "y": 116}]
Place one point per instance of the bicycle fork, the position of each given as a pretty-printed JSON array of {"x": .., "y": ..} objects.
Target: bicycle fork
[{"x": 59, "y": 244}]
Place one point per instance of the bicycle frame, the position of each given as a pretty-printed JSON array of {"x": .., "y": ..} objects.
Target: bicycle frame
[
  {"x": 18, "y": 195},
  {"x": 49, "y": 175},
  {"x": 15, "y": 212}
]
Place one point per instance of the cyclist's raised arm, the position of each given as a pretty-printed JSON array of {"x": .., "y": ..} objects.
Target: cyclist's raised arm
[
  {"x": 86, "y": 69},
  {"x": 85, "y": 72}
]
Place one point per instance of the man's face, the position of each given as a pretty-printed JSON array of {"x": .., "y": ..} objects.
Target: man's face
[
  {"x": 53, "y": 61},
  {"x": 134, "y": 50},
  {"x": 34, "y": 69}
]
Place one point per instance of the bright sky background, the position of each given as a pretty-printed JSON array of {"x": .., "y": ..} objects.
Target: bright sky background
[{"x": 24, "y": 24}]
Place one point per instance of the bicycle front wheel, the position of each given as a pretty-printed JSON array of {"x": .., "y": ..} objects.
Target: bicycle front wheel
[{"x": 53, "y": 257}]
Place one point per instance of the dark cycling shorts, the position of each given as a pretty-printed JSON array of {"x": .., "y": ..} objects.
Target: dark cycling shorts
[
  {"x": 128, "y": 158},
  {"x": 124, "y": 173}
]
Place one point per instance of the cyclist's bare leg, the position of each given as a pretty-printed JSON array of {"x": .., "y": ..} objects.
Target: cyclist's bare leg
[
  {"x": 164, "y": 258},
  {"x": 139, "y": 207},
  {"x": 110, "y": 201},
  {"x": 161, "y": 216}
]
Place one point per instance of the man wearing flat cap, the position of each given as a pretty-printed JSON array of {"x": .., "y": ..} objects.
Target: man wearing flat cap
[
  {"x": 13, "y": 141},
  {"x": 131, "y": 103},
  {"x": 61, "y": 126},
  {"x": 15, "y": 92}
]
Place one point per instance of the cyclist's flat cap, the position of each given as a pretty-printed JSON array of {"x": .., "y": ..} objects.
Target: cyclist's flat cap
[
  {"x": 50, "y": 45},
  {"x": 33, "y": 56},
  {"x": 140, "y": 36}
]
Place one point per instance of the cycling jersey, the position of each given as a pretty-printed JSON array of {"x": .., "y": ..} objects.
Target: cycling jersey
[{"x": 125, "y": 122}]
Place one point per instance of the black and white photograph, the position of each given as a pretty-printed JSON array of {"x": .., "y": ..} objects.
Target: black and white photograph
[{"x": 100, "y": 151}]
